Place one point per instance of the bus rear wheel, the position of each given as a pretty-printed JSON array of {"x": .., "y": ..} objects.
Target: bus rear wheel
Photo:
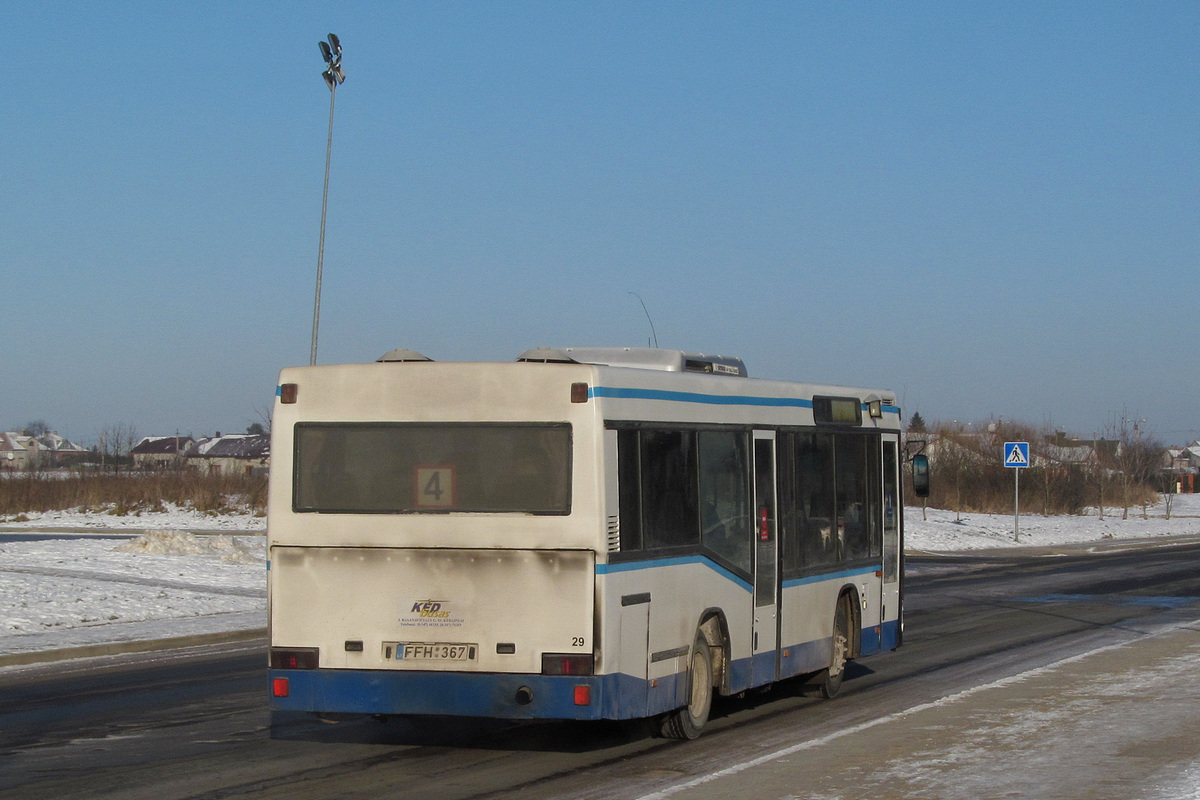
[{"x": 689, "y": 721}]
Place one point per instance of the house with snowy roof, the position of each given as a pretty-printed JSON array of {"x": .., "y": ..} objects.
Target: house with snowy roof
[
  {"x": 232, "y": 454},
  {"x": 19, "y": 451},
  {"x": 161, "y": 452},
  {"x": 60, "y": 451},
  {"x": 1192, "y": 453},
  {"x": 1184, "y": 464},
  {"x": 15, "y": 453}
]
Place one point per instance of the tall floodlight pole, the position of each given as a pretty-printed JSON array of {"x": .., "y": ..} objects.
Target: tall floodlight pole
[{"x": 333, "y": 75}]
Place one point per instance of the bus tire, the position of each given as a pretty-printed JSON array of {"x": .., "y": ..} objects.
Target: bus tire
[
  {"x": 831, "y": 678},
  {"x": 689, "y": 721}
]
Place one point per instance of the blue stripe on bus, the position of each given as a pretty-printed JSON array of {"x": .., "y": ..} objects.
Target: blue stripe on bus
[
  {"x": 631, "y": 566},
  {"x": 829, "y": 576},
  {"x": 627, "y": 393},
  {"x": 697, "y": 397}
]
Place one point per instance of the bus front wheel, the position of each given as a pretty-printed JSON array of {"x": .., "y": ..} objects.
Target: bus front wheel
[
  {"x": 831, "y": 678},
  {"x": 689, "y": 721}
]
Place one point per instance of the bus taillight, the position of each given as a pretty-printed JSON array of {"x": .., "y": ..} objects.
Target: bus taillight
[
  {"x": 566, "y": 664},
  {"x": 294, "y": 658},
  {"x": 583, "y": 695},
  {"x": 279, "y": 687}
]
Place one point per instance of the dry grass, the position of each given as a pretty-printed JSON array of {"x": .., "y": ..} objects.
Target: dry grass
[{"x": 129, "y": 493}]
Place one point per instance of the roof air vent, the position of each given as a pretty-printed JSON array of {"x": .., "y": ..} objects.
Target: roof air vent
[
  {"x": 546, "y": 355},
  {"x": 402, "y": 354}
]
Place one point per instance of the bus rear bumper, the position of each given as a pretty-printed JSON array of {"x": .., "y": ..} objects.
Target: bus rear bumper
[{"x": 499, "y": 695}]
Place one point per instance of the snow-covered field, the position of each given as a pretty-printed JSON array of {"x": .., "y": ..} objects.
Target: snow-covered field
[
  {"x": 70, "y": 580},
  {"x": 943, "y": 530}
]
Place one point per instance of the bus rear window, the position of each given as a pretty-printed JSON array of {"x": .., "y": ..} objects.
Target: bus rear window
[{"x": 400, "y": 468}]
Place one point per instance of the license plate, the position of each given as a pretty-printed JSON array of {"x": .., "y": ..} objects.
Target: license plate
[{"x": 439, "y": 651}]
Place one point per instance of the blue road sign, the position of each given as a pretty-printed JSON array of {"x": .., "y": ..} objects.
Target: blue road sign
[{"x": 1016, "y": 454}]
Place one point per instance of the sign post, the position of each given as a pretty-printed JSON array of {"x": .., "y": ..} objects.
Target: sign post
[{"x": 1016, "y": 456}]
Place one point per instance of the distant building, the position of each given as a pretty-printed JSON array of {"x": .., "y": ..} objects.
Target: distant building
[
  {"x": 1183, "y": 465},
  {"x": 1105, "y": 449},
  {"x": 14, "y": 452},
  {"x": 21, "y": 451},
  {"x": 161, "y": 452},
  {"x": 62, "y": 452},
  {"x": 232, "y": 454}
]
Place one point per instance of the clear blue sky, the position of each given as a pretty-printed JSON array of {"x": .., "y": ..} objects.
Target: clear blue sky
[{"x": 993, "y": 209}]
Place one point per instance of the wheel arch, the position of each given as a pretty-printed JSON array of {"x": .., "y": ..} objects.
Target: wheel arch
[
  {"x": 715, "y": 628},
  {"x": 850, "y": 596}
]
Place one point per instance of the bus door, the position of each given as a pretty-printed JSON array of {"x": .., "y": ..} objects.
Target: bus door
[
  {"x": 892, "y": 545},
  {"x": 765, "y": 667}
]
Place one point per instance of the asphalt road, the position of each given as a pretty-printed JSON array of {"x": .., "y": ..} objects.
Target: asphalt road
[{"x": 193, "y": 723}]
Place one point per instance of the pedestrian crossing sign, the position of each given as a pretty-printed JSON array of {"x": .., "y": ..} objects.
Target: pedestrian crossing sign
[{"x": 1016, "y": 454}]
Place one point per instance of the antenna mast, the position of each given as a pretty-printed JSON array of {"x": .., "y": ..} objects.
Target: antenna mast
[{"x": 652, "y": 331}]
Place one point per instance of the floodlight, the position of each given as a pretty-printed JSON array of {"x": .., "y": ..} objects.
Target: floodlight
[{"x": 333, "y": 75}]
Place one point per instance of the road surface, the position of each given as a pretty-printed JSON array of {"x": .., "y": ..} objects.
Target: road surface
[{"x": 1023, "y": 674}]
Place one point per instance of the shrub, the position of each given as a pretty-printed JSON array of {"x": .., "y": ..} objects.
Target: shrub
[{"x": 1066, "y": 477}]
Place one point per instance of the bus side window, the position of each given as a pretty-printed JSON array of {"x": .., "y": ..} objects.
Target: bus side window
[
  {"x": 670, "y": 512},
  {"x": 629, "y": 480},
  {"x": 725, "y": 496},
  {"x": 875, "y": 494},
  {"x": 815, "y": 500},
  {"x": 853, "y": 511}
]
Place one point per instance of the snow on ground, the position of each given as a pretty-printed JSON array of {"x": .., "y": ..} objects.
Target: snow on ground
[
  {"x": 943, "y": 530},
  {"x": 172, "y": 517},
  {"x": 73, "y": 579}
]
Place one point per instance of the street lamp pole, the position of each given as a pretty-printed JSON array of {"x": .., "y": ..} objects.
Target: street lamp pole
[{"x": 333, "y": 75}]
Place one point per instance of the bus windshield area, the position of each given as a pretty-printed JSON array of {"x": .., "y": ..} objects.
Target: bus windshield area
[{"x": 398, "y": 468}]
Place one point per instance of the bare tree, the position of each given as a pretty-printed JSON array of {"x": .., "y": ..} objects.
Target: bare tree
[
  {"x": 264, "y": 420},
  {"x": 1135, "y": 460},
  {"x": 1099, "y": 468},
  {"x": 955, "y": 458},
  {"x": 1168, "y": 494},
  {"x": 114, "y": 444},
  {"x": 38, "y": 427}
]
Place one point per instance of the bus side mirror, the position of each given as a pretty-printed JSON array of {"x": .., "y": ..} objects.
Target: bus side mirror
[{"x": 920, "y": 475}]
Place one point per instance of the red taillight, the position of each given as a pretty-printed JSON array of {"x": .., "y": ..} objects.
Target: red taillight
[
  {"x": 294, "y": 658},
  {"x": 579, "y": 392},
  {"x": 583, "y": 695},
  {"x": 288, "y": 393},
  {"x": 279, "y": 687},
  {"x": 566, "y": 664}
]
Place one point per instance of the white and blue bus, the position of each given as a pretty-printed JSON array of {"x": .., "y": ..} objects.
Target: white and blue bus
[{"x": 585, "y": 533}]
